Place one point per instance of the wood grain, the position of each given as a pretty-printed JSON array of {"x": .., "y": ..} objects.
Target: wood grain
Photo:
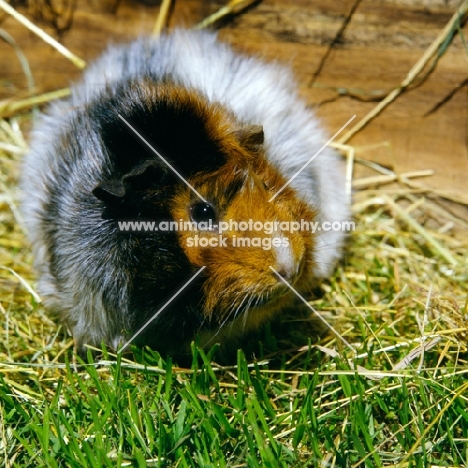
[{"x": 425, "y": 128}]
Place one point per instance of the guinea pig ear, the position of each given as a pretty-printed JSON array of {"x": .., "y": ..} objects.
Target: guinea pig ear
[
  {"x": 250, "y": 137},
  {"x": 110, "y": 191},
  {"x": 142, "y": 176}
]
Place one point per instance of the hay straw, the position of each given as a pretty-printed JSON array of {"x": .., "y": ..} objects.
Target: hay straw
[
  {"x": 232, "y": 8},
  {"x": 78, "y": 62},
  {"x": 13, "y": 131},
  {"x": 8, "y": 198},
  {"x": 21, "y": 57},
  {"x": 420, "y": 441},
  {"x": 350, "y": 152},
  {"x": 442, "y": 38},
  {"x": 162, "y": 20},
  {"x": 438, "y": 213},
  {"x": 24, "y": 283},
  {"x": 380, "y": 180},
  {"x": 440, "y": 249},
  {"x": 446, "y": 194},
  {"x": 9, "y": 148},
  {"x": 9, "y": 108}
]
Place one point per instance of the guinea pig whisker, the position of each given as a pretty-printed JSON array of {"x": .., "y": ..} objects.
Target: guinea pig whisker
[
  {"x": 246, "y": 313},
  {"x": 235, "y": 312},
  {"x": 231, "y": 311}
]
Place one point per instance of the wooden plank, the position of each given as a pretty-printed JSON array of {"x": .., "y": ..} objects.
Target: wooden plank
[{"x": 425, "y": 128}]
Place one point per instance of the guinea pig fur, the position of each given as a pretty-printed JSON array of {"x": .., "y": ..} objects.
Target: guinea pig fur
[{"x": 234, "y": 128}]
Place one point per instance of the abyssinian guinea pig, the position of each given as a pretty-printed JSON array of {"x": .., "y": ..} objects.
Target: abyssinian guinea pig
[{"x": 178, "y": 129}]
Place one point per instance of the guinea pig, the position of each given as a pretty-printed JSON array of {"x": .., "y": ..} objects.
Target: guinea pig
[{"x": 182, "y": 130}]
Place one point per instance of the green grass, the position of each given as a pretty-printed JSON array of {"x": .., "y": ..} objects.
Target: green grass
[
  {"x": 117, "y": 413},
  {"x": 401, "y": 400}
]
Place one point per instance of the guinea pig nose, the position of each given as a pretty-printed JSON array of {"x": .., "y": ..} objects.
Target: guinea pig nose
[
  {"x": 287, "y": 273},
  {"x": 286, "y": 266},
  {"x": 283, "y": 273}
]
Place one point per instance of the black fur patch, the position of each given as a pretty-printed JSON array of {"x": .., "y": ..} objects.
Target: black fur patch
[{"x": 177, "y": 130}]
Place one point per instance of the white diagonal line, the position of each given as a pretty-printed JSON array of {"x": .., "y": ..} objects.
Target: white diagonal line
[
  {"x": 313, "y": 310},
  {"x": 312, "y": 158},
  {"x": 161, "y": 309},
  {"x": 161, "y": 157}
]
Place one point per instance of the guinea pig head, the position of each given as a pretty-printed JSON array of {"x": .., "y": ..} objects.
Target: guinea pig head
[{"x": 246, "y": 235}]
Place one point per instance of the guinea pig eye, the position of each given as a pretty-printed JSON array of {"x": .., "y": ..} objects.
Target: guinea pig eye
[{"x": 203, "y": 213}]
